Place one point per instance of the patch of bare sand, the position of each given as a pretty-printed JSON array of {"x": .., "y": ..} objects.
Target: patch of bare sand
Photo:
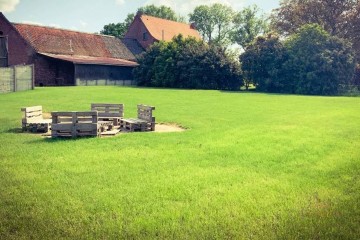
[{"x": 168, "y": 127}]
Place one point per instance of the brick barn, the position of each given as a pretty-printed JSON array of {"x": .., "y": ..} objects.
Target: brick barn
[
  {"x": 147, "y": 30},
  {"x": 65, "y": 57}
]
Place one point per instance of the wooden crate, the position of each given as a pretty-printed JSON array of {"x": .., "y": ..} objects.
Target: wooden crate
[
  {"x": 75, "y": 124},
  {"x": 33, "y": 120},
  {"x": 144, "y": 121},
  {"x": 109, "y": 112}
]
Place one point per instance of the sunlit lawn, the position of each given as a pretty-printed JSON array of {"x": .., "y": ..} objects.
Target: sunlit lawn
[{"x": 252, "y": 166}]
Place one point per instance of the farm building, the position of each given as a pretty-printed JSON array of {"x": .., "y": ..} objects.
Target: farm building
[
  {"x": 65, "y": 57},
  {"x": 147, "y": 30}
]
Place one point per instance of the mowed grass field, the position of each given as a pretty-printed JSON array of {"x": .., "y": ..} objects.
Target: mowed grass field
[{"x": 249, "y": 166}]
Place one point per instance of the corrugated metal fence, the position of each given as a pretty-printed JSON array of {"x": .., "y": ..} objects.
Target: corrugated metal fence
[{"x": 17, "y": 78}]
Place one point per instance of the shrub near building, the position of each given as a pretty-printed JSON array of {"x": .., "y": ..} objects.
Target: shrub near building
[{"x": 188, "y": 63}]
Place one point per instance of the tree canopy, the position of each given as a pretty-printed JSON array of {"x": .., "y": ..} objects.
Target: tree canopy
[
  {"x": 338, "y": 17},
  {"x": 221, "y": 25},
  {"x": 319, "y": 63},
  {"x": 248, "y": 24},
  {"x": 214, "y": 22},
  {"x": 262, "y": 64},
  {"x": 188, "y": 63},
  {"x": 309, "y": 62}
]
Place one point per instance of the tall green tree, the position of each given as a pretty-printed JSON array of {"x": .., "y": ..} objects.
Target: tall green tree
[
  {"x": 214, "y": 22},
  {"x": 262, "y": 63},
  {"x": 204, "y": 21},
  {"x": 356, "y": 78},
  {"x": 338, "y": 17},
  {"x": 162, "y": 11},
  {"x": 120, "y": 29},
  {"x": 318, "y": 63},
  {"x": 248, "y": 24},
  {"x": 115, "y": 29}
]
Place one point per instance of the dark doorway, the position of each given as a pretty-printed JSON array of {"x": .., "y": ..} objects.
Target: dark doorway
[{"x": 3, "y": 50}]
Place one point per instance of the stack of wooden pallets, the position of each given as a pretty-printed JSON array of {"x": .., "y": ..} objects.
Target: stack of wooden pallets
[
  {"x": 109, "y": 112},
  {"x": 33, "y": 120},
  {"x": 103, "y": 119},
  {"x": 144, "y": 121},
  {"x": 74, "y": 124}
]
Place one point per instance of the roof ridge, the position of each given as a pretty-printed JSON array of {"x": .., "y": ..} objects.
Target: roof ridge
[
  {"x": 165, "y": 19},
  {"x": 63, "y": 29}
]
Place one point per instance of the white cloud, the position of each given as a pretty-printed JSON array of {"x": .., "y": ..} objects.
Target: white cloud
[
  {"x": 83, "y": 23},
  {"x": 54, "y": 25},
  {"x": 184, "y": 7},
  {"x": 120, "y": 2},
  {"x": 7, "y": 6},
  {"x": 32, "y": 23}
]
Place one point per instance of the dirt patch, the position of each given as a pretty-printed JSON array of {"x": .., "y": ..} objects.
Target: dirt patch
[
  {"x": 168, "y": 127},
  {"x": 159, "y": 127}
]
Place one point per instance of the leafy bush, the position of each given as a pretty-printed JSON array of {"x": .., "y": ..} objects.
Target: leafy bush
[
  {"x": 262, "y": 64},
  {"x": 188, "y": 63},
  {"x": 309, "y": 62},
  {"x": 318, "y": 63},
  {"x": 356, "y": 78}
]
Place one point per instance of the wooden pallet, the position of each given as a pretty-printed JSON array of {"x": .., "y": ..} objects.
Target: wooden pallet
[
  {"x": 109, "y": 112},
  {"x": 106, "y": 125},
  {"x": 33, "y": 120},
  {"x": 144, "y": 122},
  {"x": 75, "y": 124}
]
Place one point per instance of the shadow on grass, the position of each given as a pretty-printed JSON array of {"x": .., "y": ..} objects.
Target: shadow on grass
[
  {"x": 14, "y": 130},
  {"x": 329, "y": 220},
  {"x": 50, "y": 140}
]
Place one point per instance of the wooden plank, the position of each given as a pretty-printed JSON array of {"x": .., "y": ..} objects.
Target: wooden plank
[
  {"x": 108, "y": 110},
  {"x": 90, "y": 113},
  {"x": 61, "y": 119},
  {"x": 62, "y": 127},
  {"x": 110, "y": 133},
  {"x": 86, "y": 126},
  {"x": 31, "y": 109},
  {"x": 145, "y": 107},
  {"x": 38, "y": 120},
  {"x": 64, "y": 114},
  {"x": 110, "y": 115},
  {"x": 106, "y": 105}
]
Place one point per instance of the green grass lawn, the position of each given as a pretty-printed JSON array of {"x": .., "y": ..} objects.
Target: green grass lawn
[{"x": 251, "y": 166}]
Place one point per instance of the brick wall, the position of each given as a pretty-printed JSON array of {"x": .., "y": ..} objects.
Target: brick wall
[
  {"x": 137, "y": 30},
  {"x": 47, "y": 72},
  {"x": 19, "y": 52},
  {"x": 52, "y": 72}
]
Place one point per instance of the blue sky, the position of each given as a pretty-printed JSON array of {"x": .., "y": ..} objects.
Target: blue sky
[{"x": 91, "y": 16}]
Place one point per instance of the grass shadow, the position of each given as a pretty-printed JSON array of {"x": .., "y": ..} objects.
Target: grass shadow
[
  {"x": 49, "y": 139},
  {"x": 14, "y": 130}
]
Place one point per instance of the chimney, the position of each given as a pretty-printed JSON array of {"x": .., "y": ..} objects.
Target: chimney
[{"x": 193, "y": 25}]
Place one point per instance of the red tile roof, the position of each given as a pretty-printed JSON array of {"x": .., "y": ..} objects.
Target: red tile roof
[
  {"x": 92, "y": 60},
  {"x": 66, "y": 42},
  {"x": 162, "y": 29}
]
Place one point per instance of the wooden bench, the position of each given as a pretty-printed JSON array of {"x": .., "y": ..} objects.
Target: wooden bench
[
  {"x": 144, "y": 121},
  {"x": 75, "y": 124},
  {"x": 109, "y": 112},
  {"x": 33, "y": 120}
]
